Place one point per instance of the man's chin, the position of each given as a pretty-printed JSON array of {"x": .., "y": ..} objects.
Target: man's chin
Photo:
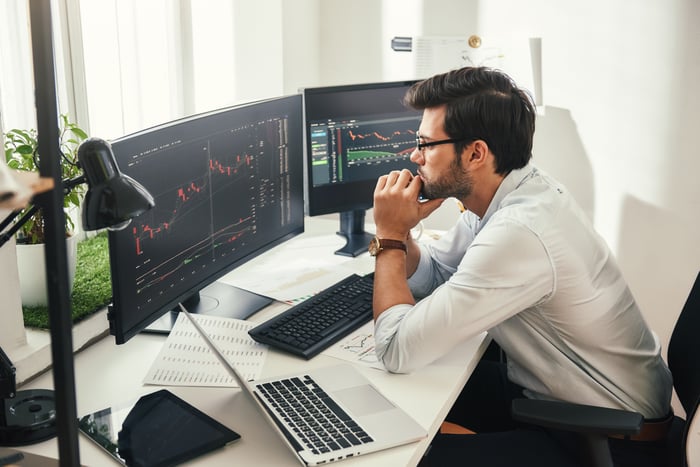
[{"x": 429, "y": 192}]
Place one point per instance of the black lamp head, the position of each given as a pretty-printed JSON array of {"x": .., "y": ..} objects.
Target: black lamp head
[{"x": 113, "y": 198}]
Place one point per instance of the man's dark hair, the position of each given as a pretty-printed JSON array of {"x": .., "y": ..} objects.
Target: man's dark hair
[{"x": 482, "y": 103}]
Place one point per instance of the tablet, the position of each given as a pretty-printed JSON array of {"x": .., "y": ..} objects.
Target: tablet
[{"x": 157, "y": 430}]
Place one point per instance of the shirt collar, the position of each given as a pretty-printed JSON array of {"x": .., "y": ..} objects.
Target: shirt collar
[{"x": 512, "y": 181}]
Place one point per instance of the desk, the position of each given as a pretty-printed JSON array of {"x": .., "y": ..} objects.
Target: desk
[{"x": 108, "y": 374}]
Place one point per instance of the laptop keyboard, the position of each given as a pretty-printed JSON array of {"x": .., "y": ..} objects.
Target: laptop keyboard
[
  {"x": 315, "y": 418},
  {"x": 314, "y": 325}
]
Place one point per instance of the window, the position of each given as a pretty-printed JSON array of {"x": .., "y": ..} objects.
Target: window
[
  {"x": 16, "y": 78},
  {"x": 148, "y": 62},
  {"x": 125, "y": 65}
]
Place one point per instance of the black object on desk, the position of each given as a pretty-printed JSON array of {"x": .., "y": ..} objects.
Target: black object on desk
[
  {"x": 159, "y": 430},
  {"x": 26, "y": 417},
  {"x": 314, "y": 325}
]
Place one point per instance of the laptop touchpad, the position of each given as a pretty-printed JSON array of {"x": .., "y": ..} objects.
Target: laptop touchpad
[{"x": 363, "y": 400}]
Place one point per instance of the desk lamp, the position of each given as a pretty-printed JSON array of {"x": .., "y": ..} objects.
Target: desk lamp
[{"x": 111, "y": 201}]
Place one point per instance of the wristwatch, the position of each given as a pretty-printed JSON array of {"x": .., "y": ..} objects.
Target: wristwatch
[{"x": 376, "y": 245}]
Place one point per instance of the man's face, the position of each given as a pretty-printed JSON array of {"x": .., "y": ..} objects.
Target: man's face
[{"x": 439, "y": 166}]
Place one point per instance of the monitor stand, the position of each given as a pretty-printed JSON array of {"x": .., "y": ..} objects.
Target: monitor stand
[
  {"x": 352, "y": 227},
  {"x": 216, "y": 299}
]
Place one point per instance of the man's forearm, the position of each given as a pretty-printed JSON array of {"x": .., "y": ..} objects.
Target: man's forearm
[
  {"x": 412, "y": 256},
  {"x": 390, "y": 284}
]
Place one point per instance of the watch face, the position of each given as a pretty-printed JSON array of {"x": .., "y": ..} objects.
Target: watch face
[{"x": 373, "y": 247}]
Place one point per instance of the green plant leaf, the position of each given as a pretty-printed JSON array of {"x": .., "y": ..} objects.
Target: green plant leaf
[
  {"x": 79, "y": 133},
  {"x": 25, "y": 149},
  {"x": 21, "y": 154}
]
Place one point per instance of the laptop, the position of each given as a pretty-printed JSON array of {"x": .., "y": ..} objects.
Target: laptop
[{"x": 356, "y": 418}]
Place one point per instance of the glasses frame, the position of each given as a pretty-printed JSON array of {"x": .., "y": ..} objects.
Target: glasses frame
[{"x": 420, "y": 146}]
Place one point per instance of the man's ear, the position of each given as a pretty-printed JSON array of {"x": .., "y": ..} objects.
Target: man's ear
[{"x": 477, "y": 152}]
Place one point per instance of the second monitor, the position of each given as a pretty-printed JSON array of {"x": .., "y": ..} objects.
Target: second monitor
[{"x": 354, "y": 134}]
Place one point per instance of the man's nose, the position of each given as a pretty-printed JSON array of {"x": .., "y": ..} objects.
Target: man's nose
[{"x": 417, "y": 157}]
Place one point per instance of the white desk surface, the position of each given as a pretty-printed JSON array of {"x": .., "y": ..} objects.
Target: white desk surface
[{"x": 108, "y": 374}]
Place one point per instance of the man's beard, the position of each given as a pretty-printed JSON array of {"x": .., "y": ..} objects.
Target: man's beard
[{"x": 456, "y": 183}]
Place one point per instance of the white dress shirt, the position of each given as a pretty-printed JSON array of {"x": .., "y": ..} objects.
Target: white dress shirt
[{"x": 543, "y": 283}]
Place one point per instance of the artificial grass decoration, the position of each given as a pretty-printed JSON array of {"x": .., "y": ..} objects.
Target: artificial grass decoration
[{"x": 92, "y": 289}]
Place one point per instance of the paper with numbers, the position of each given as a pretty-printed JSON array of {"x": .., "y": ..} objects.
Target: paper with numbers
[{"x": 186, "y": 360}]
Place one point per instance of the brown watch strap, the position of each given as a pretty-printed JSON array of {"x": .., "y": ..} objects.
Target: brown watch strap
[
  {"x": 377, "y": 245},
  {"x": 388, "y": 244}
]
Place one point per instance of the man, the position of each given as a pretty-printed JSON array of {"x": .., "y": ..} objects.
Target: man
[{"x": 523, "y": 263}]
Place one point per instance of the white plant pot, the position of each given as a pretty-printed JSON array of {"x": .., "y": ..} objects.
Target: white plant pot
[{"x": 31, "y": 265}]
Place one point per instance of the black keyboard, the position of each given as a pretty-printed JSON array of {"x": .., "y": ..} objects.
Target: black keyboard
[{"x": 314, "y": 325}]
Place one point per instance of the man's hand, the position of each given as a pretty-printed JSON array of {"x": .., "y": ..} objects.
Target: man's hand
[{"x": 396, "y": 206}]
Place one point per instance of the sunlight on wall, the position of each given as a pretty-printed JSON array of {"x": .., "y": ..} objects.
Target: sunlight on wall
[{"x": 213, "y": 55}]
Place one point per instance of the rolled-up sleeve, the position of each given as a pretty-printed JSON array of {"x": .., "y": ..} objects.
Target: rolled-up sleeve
[
  {"x": 384, "y": 330},
  {"x": 475, "y": 298},
  {"x": 420, "y": 282}
]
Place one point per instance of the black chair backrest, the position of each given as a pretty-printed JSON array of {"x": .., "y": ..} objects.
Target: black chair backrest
[{"x": 684, "y": 351}]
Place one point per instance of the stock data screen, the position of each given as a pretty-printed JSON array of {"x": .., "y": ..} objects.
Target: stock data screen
[
  {"x": 354, "y": 134},
  {"x": 211, "y": 202},
  {"x": 226, "y": 187},
  {"x": 360, "y": 149}
]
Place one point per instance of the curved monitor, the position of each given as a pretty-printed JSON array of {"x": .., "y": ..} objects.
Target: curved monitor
[
  {"x": 228, "y": 185},
  {"x": 354, "y": 134}
]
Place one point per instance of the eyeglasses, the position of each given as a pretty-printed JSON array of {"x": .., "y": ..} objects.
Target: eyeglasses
[{"x": 420, "y": 146}]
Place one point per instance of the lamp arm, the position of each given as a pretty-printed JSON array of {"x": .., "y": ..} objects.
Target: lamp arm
[
  {"x": 71, "y": 183},
  {"x": 6, "y": 236},
  {"x": 68, "y": 186},
  {"x": 8, "y": 220}
]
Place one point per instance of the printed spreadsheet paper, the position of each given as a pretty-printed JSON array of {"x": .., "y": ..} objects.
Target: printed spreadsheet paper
[
  {"x": 185, "y": 359},
  {"x": 357, "y": 347}
]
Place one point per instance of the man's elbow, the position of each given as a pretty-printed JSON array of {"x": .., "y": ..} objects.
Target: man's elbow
[
  {"x": 397, "y": 369},
  {"x": 394, "y": 363}
]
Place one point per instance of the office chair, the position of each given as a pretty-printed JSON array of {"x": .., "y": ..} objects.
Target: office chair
[{"x": 596, "y": 424}]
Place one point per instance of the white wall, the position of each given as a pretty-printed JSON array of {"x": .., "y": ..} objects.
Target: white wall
[{"x": 301, "y": 53}]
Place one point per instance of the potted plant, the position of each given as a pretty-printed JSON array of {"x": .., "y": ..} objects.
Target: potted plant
[{"x": 21, "y": 154}]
